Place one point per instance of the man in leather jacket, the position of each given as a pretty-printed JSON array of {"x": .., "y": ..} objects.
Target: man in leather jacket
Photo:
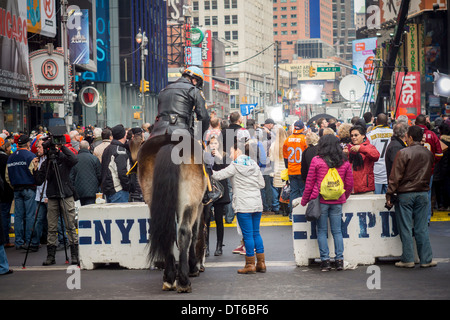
[
  {"x": 178, "y": 102},
  {"x": 410, "y": 180}
]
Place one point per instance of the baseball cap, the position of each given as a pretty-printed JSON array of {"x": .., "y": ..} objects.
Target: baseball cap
[{"x": 298, "y": 125}]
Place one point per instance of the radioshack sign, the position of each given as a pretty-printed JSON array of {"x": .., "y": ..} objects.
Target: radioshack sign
[
  {"x": 47, "y": 75},
  {"x": 407, "y": 94}
]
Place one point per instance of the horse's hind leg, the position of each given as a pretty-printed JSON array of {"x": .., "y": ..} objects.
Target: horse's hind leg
[
  {"x": 170, "y": 273},
  {"x": 184, "y": 243},
  {"x": 197, "y": 250}
]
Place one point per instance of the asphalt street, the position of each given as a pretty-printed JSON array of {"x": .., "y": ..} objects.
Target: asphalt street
[{"x": 220, "y": 282}]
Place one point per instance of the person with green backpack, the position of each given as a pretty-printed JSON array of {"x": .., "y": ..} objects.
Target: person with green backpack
[{"x": 330, "y": 177}]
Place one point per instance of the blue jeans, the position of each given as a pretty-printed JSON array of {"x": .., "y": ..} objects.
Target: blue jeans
[
  {"x": 118, "y": 197},
  {"x": 249, "y": 223},
  {"x": 297, "y": 188},
  {"x": 430, "y": 210},
  {"x": 24, "y": 214},
  {"x": 412, "y": 212},
  {"x": 5, "y": 208},
  {"x": 334, "y": 212},
  {"x": 380, "y": 188},
  {"x": 4, "y": 265}
]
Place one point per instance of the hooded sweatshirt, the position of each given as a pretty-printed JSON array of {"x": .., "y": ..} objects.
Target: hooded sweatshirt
[{"x": 246, "y": 180}]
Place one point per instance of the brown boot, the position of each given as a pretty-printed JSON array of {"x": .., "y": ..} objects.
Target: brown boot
[
  {"x": 260, "y": 262},
  {"x": 249, "y": 266}
]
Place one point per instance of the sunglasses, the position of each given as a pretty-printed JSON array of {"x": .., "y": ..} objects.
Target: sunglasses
[{"x": 354, "y": 135}]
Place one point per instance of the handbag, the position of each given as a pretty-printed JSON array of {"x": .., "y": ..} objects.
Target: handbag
[
  {"x": 285, "y": 193},
  {"x": 215, "y": 194},
  {"x": 313, "y": 211}
]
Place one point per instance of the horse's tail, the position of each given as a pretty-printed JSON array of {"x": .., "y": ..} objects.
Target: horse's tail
[{"x": 163, "y": 205}]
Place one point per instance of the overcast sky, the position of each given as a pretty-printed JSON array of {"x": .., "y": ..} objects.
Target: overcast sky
[{"x": 359, "y": 4}]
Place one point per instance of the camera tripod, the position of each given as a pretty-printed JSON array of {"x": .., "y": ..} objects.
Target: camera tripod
[{"x": 52, "y": 162}]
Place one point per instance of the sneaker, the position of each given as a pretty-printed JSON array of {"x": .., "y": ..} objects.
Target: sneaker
[
  {"x": 240, "y": 249},
  {"x": 325, "y": 266},
  {"x": 339, "y": 265},
  {"x": 428, "y": 265},
  {"x": 402, "y": 264}
]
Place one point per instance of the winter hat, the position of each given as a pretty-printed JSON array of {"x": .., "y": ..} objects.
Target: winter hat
[
  {"x": 118, "y": 132},
  {"x": 23, "y": 139},
  {"x": 2, "y": 139}
]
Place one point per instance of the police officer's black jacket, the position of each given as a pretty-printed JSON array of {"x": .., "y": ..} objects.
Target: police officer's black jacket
[{"x": 176, "y": 106}]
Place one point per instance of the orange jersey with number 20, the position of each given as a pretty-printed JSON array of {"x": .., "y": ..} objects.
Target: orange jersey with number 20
[{"x": 293, "y": 148}]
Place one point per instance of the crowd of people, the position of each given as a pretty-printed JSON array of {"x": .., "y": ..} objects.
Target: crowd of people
[
  {"x": 43, "y": 175},
  {"x": 371, "y": 156},
  {"x": 363, "y": 152}
]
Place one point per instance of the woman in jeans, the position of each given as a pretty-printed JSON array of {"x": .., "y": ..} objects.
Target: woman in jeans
[
  {"x": 330, "y": 155},
  {"x": 247, "y": 181}
]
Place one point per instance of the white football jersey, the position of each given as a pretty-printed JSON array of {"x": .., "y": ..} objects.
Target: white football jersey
[{"x": 380, "y": 137}]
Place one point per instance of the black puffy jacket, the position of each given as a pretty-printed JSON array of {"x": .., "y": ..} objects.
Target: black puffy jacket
[
  {"x": 177, "y": 104},
  {"x": 115, "y": 165}
]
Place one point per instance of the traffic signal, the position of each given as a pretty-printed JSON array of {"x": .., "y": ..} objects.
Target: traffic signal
[
  {"x": 312, "y": 72},
  {"x": 144, "y": 86},
  {"x": 137, "y": 115}
]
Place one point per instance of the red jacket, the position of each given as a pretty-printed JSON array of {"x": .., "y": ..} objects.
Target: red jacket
[
  {"x": 433, "y": 144},
  {"x": 364, "y": 177},
  {"x": 317, "y": 171}
]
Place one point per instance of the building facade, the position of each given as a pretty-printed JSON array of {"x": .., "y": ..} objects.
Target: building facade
[
  {"x": 31, "y": 93},
  {"x": 344, "y": 30},
  {"x": 245, "y": 28}
]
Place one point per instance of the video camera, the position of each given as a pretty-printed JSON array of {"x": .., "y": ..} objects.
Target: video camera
[{"x": 55, "y": 137}]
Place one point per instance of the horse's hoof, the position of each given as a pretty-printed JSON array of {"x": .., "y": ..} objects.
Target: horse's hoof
[
  {"x": 169, "y": 286},
  {"x": 202, "y": 268},
  {"x": 187, "y": 289},
  {"x": 194, "y": 274}
]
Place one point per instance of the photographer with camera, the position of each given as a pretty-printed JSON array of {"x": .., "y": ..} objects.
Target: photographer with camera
[{"x": 60, "y": 193}]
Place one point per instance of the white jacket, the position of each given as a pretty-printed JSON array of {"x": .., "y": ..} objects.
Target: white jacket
[{"x": 246, "y": 180}]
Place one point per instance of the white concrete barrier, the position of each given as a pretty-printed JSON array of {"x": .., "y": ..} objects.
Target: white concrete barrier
[
  {"x": 114, "y": 233},
  {"x": 369, "y": 231}
]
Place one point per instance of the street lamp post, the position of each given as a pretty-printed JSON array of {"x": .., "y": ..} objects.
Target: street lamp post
[
  {"x": 142, "y": 39},
  {"x": 67, "y": 109}
]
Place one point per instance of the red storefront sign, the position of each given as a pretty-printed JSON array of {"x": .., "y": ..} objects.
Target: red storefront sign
[{"x": 407, "y": 94}]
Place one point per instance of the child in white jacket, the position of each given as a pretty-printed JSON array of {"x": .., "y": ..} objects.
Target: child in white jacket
[{"x": 247, "y": 180}]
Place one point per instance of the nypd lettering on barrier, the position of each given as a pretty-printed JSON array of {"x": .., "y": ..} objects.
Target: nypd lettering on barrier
[
  {"x": 366, "y": 220},
  {"x": 103, "y": 230}
]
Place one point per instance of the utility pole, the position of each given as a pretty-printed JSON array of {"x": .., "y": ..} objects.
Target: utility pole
[
  {"x": 67, "y": 109},
  {"x": 142, "y": 39}
]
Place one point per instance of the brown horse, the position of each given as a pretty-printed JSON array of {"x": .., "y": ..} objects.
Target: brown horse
[{"x": 174, "y": 194}]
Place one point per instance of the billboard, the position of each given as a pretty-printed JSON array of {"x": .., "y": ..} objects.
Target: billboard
[
  {"x": 41, "y": 17},
  {"x": 407, "y": 94},
  {"x": 390, "y": 8},
  {"x": 103, "y": 73},
  {"x": 79, "y": 38},
  {"x": 74, "y": 22},
  {"x": 363, "y": 56},
  {"x": 14, "y": 69}
]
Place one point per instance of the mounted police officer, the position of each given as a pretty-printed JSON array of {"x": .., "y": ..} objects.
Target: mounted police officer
[{"x": 178, "y": 102}]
